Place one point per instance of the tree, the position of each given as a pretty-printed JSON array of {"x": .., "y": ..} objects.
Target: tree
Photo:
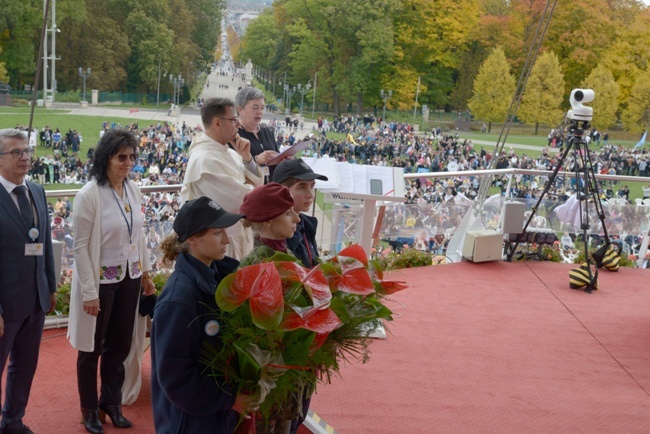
[
  {"x": 636, "y": 117},
  {"x": 628, "y": 56},
  {"x": 493, "y": 89},
  {"x": 429, "y": 40},
  {"x": 580, "y": 32},
  {"x": 259, "y": 42},
  {"x": 544, "y": 92},
  {"x": 605, "y": 104},
  {"x": 4, "y": 77}
]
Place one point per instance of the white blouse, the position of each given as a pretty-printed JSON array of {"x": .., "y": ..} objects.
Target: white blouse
[{"x": 119, "y": 248}]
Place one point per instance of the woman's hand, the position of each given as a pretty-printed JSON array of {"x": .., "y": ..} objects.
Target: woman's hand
[
  {"x": 148, "y": 287},
  {"x": 91, "y": 307},
  {"x": 245, "y": 404},
  {"x": 265, "y": 157}
]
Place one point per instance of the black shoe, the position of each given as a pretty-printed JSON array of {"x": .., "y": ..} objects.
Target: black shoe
[
  {"x": 115, "y": 413},
  {"x": 24, "y": 430},
  {"x": 90, "y": 419}
]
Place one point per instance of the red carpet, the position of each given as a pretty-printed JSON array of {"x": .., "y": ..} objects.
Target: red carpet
[
  {"x": 503, "y": 347},
  {"x": 494, "y": 347}
]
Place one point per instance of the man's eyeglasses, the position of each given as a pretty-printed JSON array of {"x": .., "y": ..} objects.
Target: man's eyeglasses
[
  {"x": 123, "y": 157},
  {"x": 18, "y": 153},
  {"x": 233, "y": 120}
]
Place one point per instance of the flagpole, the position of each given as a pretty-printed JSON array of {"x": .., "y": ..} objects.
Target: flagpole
[{"x": 417, "y": 93}]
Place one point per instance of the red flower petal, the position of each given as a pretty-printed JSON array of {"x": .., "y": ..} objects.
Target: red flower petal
[
  {"x": 266, "y": 300},
  {"x": 234, "y": 290},
  {"x": 355, "y": 251},
  {"x": 356, "y": 281},
  {"x": 313, "y": 280},
  {"x": 391, "y": 286},
  {"x": 321, "y": 321}
]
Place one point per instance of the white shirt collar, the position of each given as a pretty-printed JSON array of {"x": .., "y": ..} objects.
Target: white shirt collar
[{"x": 8, "y": 185}]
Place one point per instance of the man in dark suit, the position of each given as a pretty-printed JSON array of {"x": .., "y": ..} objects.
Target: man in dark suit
[{"x": 27, "y": 280}]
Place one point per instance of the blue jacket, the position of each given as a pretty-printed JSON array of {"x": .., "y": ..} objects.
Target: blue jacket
[
  {"x": 185, "y": 399},
  {"x": 303, "y": 243}
]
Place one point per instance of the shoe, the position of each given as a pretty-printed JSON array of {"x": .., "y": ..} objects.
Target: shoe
[
  {"x": 115, "y": 413},
  {"x": 24, "y": 430},
  {"x": 90, "y": 419}
]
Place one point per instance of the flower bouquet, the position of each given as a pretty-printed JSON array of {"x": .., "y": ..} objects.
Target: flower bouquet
[{"x": 285, "y": 327}]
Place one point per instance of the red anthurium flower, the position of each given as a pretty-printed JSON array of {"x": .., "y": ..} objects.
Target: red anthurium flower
[
  {"x": 321, "y": 321},
  {"x": 262, "y": 285},
  {"x": 355, "y": 281},
  {"x": 267, "y": 301},
  {"x": 384, "y": 286},
  {"x": 354, "y": 251},
  {"x": 313, "y": 281}
]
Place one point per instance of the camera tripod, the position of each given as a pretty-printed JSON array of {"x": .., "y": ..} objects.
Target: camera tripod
[{"x": 585, "y": 189}]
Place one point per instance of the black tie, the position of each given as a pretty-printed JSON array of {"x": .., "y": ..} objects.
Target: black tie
[{"x": 25, "y": 205}]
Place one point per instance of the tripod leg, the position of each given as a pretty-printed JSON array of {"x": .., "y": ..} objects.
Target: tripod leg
[{"x": 549, "y": 183}]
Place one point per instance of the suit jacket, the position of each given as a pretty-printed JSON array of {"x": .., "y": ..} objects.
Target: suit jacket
[{"x": 17, "y": 280}]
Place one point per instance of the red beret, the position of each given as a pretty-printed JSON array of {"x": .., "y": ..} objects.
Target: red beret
[{"x": 266, "y": 202}]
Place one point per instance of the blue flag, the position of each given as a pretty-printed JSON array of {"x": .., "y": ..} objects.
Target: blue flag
[{"x": 642, "y": 141}]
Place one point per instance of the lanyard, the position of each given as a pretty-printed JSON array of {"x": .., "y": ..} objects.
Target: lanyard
[
  {"x": 311, "y": 259},
  {"x": 128, "y": 208}
]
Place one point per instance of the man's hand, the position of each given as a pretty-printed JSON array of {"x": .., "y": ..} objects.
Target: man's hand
[
  {"x": 243, "y": 148},
  {"x": 52, "y": 303},
  {"x": 92, "y": 307},
  {"x": 265, "y": 157}
]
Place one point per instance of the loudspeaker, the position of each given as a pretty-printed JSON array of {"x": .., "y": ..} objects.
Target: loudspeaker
[
  {"x": 513, "y": 217},
  {"x": 482, "y": 246}
]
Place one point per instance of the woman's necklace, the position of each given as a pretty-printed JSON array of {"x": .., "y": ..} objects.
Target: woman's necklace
[{"x": 127, "y": 208}]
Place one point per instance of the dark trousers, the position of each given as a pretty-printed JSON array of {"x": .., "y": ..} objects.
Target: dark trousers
[
  {"x": 21, "y": 340},
  {"x": 117, "y": 309}
]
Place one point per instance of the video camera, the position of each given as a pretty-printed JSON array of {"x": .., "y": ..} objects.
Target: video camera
[{"x": 578, "y": 111}]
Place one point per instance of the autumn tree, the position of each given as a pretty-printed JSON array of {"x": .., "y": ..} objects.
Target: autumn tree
[
  {"x": 628, "y": 56},
  {"x": 637, "y": 115},
  {"x": 580, "y": 32},
  {"x": 542, "y": 98},
  {"x": 605, "y": 103},
  {"x": 4, "y": 77},
  {"x": 493, "y": 89},
  {"x": 429, "y": 40}
]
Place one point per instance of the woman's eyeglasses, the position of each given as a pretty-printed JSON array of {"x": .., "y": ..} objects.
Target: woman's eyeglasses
[
  {"x": 123, "y": 157},
  {"x": 18, "y": 153}
]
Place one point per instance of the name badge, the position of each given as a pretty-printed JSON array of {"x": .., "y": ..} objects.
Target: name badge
[{"x": 34, "y": 249}]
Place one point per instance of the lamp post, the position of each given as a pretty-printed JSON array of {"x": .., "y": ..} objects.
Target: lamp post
[
  {"x": 385, "y": 96},
  {"x": 158, "y": 91},
  {"x": 303, "y": 91},
  {"x": 84, "y": 75},
  {"x": 313, "y": 100},
  {"x": 177, "y": 82},
  {"x": 290, "y": 92}
]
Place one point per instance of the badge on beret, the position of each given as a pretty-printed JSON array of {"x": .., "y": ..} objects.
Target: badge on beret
[{"x": 212, "y": 328}]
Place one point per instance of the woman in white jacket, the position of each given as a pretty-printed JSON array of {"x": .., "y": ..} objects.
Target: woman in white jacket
[{"x": 111, "y": 265}]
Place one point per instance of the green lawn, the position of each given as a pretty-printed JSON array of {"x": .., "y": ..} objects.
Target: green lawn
[{"x": 87, "y": 126}]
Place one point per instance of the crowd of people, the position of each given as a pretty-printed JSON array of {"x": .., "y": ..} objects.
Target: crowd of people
[
  {"x": 113, "y": 229},
  {"x": 163, "y": 156}
]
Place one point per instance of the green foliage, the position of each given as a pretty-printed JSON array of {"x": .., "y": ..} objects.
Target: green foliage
[
  {"x": 407, "y": 258},
  {"x": 637, "y": 115},
  {"x": 544, "y": 92},
  {"x": 605, "y": 103},
  {"x": 63, "y": 296},
  {"x": 493, "y": 88}
]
